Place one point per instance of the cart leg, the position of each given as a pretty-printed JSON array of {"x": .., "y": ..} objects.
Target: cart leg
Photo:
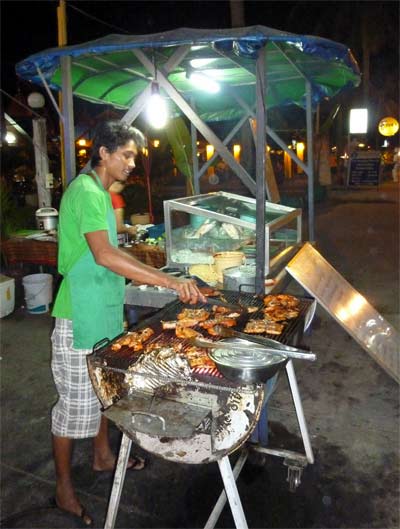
[
  {"x": 299, "y": 411},
  {"x": 213, "y": 518},
  {"x": 118, "y": 482},
  {"x": 231, "y": 493}
]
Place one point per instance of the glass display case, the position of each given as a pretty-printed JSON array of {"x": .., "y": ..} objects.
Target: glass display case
[{"x": 198, "y": 227}]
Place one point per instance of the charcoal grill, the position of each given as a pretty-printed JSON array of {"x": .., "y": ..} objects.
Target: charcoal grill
[{"x": 188, "y": 417}]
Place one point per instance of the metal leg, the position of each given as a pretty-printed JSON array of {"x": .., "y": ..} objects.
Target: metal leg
[
  {"x": 213, "y": 518},
  {"x": 118, "y": 483},
  {"x": 231, "y": 492},
  {"x": 299, "y": 411}
]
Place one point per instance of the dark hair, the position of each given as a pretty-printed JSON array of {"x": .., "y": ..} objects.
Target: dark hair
[{"x": 114, "y": 134}]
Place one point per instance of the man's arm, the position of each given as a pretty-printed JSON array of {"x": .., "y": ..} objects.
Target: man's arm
[{"x": 127, "y": 266}]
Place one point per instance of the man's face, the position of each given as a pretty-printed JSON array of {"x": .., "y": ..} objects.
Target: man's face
[{"x": 120, "y": 163}]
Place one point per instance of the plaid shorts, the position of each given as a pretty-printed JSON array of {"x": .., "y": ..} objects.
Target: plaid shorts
[{"x": 76, "y": 414}]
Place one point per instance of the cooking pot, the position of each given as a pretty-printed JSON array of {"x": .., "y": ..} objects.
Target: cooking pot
[
  {"x": 47, "y": 218},
  {"x": 241, "y": 278},
  {"x": 245, "y": 362}
]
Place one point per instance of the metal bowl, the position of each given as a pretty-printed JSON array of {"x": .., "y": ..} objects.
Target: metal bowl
[{"x": 246, "y": 362}]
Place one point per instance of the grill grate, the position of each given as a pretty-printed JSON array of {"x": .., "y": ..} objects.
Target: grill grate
[{"x": 125, "y": 357}]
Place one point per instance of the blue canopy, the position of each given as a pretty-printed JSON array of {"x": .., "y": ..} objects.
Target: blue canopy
[{"x": 106, "y": 70}]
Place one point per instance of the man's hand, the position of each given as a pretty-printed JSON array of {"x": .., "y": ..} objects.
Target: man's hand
[{"x": 187, "y": 290}]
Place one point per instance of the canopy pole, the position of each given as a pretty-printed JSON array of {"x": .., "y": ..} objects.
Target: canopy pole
[
  {"x": 68, "y": 113},
  {"x": 195, "y": 160},
  {"x": 310, "y": 162},
  {"x": 260, "y": 172}
]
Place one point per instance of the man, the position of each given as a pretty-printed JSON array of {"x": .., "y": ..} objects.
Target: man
[{"x": 89, "y": 304}]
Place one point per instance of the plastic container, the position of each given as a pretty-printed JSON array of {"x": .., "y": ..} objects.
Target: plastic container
[
  {"x": 140, "y": 218},
  {"x": 7, "y": 295},
  {"x": 38, "y": 292},
  {"x": 224, "y": 260}
]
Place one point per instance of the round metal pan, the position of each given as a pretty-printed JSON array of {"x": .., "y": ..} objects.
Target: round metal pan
[{"x": 246, "y": 362}]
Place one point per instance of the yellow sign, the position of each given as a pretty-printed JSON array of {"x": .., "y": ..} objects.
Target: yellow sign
[{"x": 388, "y": 126}]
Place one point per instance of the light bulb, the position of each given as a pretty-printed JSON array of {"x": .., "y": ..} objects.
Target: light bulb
[
  {"x": 157, "y": 113},
  {"x": 204, "y": 83}
]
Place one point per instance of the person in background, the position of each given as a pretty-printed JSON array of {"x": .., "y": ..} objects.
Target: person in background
[
  {"x": 118, "y": 204},
  {"x": 90, "y": 302}
]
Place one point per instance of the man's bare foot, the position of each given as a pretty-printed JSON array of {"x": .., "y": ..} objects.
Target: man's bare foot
[{"x": 67, "y": 501}]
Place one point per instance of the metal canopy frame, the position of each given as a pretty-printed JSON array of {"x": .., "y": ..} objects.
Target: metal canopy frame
[{"x": 258, "y": 187}]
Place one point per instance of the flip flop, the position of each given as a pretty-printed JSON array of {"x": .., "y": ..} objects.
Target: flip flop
[
  {"x": 84, "y": 517},
  {"x": 138, "y": 463}
]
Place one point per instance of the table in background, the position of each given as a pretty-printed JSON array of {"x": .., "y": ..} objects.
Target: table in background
[
  {"x": 147, "y": 253},
  {"x": 22, "y": 251}
]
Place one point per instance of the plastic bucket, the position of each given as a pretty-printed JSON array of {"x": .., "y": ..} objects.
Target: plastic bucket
[{"x": 38, "y": 292}]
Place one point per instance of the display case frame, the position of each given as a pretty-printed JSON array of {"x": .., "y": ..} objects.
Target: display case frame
[{"x": 194, "y": 205}]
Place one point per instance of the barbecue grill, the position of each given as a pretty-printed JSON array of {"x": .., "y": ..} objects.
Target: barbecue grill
[{"x": 188, "y": 415}]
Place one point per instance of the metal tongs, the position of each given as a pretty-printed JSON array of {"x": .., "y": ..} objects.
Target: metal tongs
[
  {"x": 223, "y": 303},
  {"x": 274, "y": 346}
]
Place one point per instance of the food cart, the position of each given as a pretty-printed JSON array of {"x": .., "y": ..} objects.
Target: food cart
[{"x": 258, "y": 68}]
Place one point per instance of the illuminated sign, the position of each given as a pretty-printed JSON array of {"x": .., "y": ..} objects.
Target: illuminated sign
[{"x": 388, "y": 126}]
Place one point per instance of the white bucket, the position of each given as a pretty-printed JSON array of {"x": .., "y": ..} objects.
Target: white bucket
[
  {"x": 38, "y": 292},
  {"x": 7, "y": 295}
]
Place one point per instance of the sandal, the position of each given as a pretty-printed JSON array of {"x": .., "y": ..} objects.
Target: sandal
[
  {"x": 137, "y": 463},
  {"x": 83, "y": 517}
]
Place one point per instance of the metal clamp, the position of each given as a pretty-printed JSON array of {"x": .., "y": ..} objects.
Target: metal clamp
[
  {"x": 295, "y": 471},
  {"x": 149, "y": 416}
]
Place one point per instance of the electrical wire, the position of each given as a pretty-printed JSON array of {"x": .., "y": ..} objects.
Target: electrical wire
[
  {"x": 68, "y": 4},
  {"x": 20, "y": 104}
]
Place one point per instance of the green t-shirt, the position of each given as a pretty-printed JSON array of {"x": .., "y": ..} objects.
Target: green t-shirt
[{"x": 84, "y": 207}]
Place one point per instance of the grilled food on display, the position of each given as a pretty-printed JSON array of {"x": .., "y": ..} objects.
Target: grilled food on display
[
  {"x": 283, "y": 300},
  {"x": 186, "y": 322},
  {"x": 186, "y": 332},
  {"x": 278, "y": 313},
  {"x": 133, "y": 340},
  {"x": 197, "y": 314},
  {"x": 263, "y": 326},
  {"x": 198, "y": 357}
]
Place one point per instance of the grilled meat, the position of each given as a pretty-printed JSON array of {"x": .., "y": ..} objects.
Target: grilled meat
[
  {"x": 283, "y": 300},
  {"x": 133, "y": 340},
  {"x": 195, "y": 314},
  {"x": 187, "y": 322},
  {"x": 186, "y": 332},
  {"x": 263, "y": 326}
]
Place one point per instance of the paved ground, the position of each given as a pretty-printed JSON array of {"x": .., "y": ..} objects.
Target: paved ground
[{"x": 351, "y": 407}]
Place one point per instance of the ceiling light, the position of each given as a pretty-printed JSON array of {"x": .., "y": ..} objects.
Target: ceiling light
[
  {"x": 157, "y": 113},
  {"x": 203, "y": 82},
  {"x": 199, "y": 63}
]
